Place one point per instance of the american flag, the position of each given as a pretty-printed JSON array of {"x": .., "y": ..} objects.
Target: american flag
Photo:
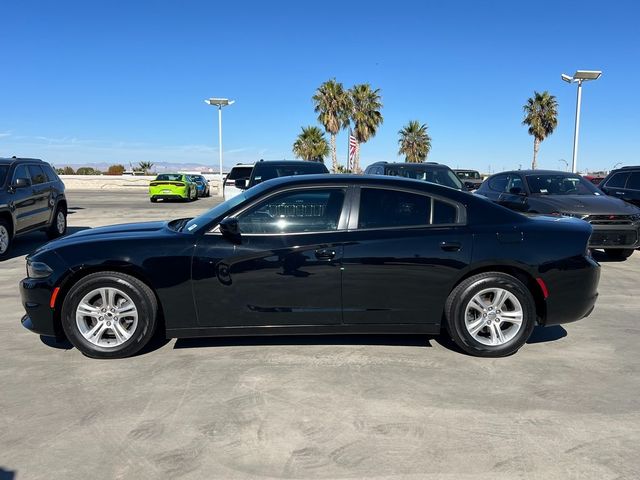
[{"x": 353, "y": 148}]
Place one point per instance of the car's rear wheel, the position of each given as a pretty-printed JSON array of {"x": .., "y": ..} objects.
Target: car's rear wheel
[
  {"x": 619, "y": 253},
  {"x": 5, "y": 238},
  {"x": 153, "y": 200},
  {"x": 109, "y": 315},
  {"x": 59, "y": 225},
  {"x": 490, "y": 314}
]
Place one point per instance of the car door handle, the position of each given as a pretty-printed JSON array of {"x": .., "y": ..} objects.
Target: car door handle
[
  {"x": 450, "y": 246},
  {"x": 325, "y": 254},
  {"x": 619, "y": 193}
]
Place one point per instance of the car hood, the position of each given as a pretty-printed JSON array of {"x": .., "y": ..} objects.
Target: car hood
[
  {"x": 127, "y": 230},
  {"x": 585, "y": 204}
]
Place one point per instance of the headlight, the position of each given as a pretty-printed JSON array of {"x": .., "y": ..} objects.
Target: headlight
[
  {"x": 38, "y": 270},
  {"x": 581, "y": 216}
]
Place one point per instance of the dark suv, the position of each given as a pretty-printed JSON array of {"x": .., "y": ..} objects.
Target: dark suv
[
  {"x": 31, "y": 198},
  {"x": 266, "y": 170},
  {"x": 623, "y": 183},
  {"x": 428, "y": 171}
]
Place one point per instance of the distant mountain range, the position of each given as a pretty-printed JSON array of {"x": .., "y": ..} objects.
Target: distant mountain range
[{"x": 157, "y": 167}]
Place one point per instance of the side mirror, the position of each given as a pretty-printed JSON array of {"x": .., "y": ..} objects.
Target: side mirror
[
  {"x": 230, "y": 229},
  {"x": 21, "y": 183},
  {"x": 241, "y": 183}
]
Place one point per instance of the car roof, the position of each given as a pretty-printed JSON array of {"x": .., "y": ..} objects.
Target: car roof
[
  {"x": 409, "y": 165},
  {"x": 464, "y": 170},
  {"x": 8, "y": 161},
  {"x": 286, "y": 162},
  {"x": 375, "y": 180},
  {"x": 535, "y": 172}
]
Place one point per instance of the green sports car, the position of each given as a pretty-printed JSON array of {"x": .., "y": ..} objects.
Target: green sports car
[{"x": 172, "y": 186}]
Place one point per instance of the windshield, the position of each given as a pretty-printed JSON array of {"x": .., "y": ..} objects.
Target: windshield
[
  {"x": 4, "y": 169},
  {"x": 170, "y": 177},
  {"x": 560, "y": 184},
  {"x": 441, "y": 176},
  {"x": 466, "y": 175},
  {"x": 217, "y": 211}
]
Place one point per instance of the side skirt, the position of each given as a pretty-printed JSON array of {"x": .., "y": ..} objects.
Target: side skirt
[{"x": 430, "y": 329}]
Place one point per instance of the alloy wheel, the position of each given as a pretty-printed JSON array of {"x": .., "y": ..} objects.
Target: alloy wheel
[
  {"x": 494, "y": 316},
  {"x": 107, "y": 317},
  {"x": 61, "y": 222},
  {"x": 4, "y": 239}
]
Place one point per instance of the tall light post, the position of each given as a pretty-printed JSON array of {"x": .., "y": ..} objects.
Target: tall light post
[
  {"x": 579, "y": 77},
  {"x": 219, "y": 102}
]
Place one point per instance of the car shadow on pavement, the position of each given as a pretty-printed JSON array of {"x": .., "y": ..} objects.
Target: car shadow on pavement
[
  {"x": 31, "y": 241},
  {"x": 314, "y": 340},
  {"x": 602, "y": 257},
  {"x": 60, "y": 344},
  {"x": 547, "y": 334}
]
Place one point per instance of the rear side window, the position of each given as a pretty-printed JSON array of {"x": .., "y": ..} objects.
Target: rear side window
[
  {"x": 37, "y": 175},
  {"x": 380, "y": 208},
  {"x": 498, "y": 183},
  {"x": 443, "y": 213},
  {"x": 51, "y": 175},
  {"x": 634, "y": 181},
  {"x": 239, "y": 172},
  {"x": 618, "y": 180}
]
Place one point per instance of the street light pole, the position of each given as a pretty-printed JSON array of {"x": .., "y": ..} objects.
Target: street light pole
[
  {"x": 219, "y": 102},
  {"x": 579, "y": 77},
  {"x": 576, "y": 131}
]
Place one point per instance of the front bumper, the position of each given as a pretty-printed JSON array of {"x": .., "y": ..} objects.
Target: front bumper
[
  {"x": 39, "y": 317},
  {"x": 615, "y": 236}
]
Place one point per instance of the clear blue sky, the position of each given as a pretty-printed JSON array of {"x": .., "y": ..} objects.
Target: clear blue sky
[{"x": 107, "y": 81}]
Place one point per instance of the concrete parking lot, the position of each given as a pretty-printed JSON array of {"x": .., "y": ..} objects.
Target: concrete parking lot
[{"x": 567, "y": 405}]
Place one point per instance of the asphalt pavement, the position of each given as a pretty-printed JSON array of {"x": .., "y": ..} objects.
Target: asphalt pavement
[{"x": 566, "y": 406}]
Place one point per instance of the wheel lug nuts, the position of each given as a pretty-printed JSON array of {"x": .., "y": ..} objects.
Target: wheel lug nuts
[{"x": 100, "y": 318}]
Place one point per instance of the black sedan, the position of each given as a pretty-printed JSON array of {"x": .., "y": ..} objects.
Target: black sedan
[
  {"x": 616, "y": 224},
  {"x": 317, "y": 254}
]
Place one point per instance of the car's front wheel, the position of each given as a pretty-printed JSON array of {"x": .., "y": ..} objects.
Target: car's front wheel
[
  {"x": 109, "y": 315},
  {"x": 490, "y": 314},
  {"x": 619, "y": 253}
]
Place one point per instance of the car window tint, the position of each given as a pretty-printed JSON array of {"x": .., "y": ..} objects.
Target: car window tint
[
  {"x": 239, "y": 172},
  {"x": 499, "y": 183},
  {"x": 380, "y": 208},
  {"x": 314, "y": 210},
  {"x": 618, "y": 180},
  {"x": 37, "y": 175},
  {"x": 169, "y": 177},
  {"x": 444, "y": 213},
  {"x": 515, "y": 184},
  {"x": 3, "y": 173},
  {"x": 21, "y": 172},
  {"x": 51, "y": 175},
  {"x": 634, "y": 181}
]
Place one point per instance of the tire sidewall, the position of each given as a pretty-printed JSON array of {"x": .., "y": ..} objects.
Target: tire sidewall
[
  {"x": 144, "y": 329},
  {"x": 463, "y": 338},
  {"x": 6, "y": 225}
]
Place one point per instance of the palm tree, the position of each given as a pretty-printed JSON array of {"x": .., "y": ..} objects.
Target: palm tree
[
  {"x": 541, "y": 115},
  {"x": 415, "y": 142},
  {"x": 311, "y": 145},
  {"x": 333, "y": 105},
  {"x": 145, "y": 166},
  {"x": 365, "y": 114}
]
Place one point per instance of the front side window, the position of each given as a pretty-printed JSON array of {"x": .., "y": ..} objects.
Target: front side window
[
  {"x": 21, "y": 172},
  {"x": 300, "y": 211},
  {"x": 515, "y": 185}
]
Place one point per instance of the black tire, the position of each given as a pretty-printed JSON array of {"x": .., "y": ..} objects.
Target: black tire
[
  {"x": 140, "y": 294},
  {"x": 7, "y": 236},
  {"x": 619, "y": 253},
  {"x": 55, "y": 231},
  {"x": 460, "y": 297},
  {"x": 153, "y": 200}
]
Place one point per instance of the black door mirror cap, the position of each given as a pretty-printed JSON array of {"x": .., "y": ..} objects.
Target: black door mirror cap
[
  {"x": 241, "y": 183},
  {"x": 230, "y": 229}
]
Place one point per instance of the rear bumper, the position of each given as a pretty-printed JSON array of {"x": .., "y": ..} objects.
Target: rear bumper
[
  {"x": 573, "y": 290},
  {"x": 615, "y": 236},
  {"x": 166, "y": 196},
  {"x": 39, "y": 316}
]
